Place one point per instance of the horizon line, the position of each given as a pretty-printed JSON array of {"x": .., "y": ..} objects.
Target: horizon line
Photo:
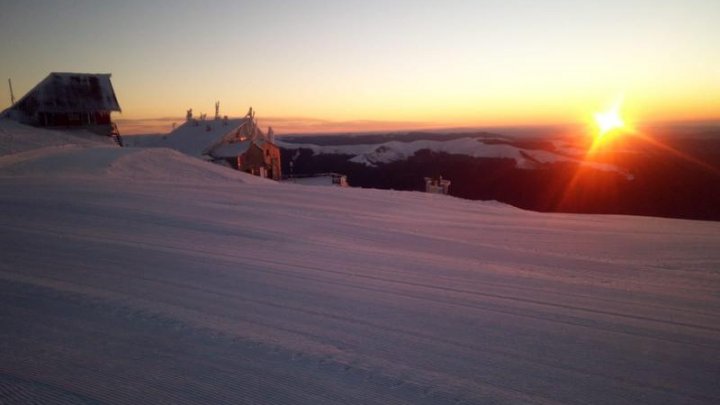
[{"x": 296, "y": 125}]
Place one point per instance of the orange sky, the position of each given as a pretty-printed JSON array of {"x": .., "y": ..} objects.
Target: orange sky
[{"x": 415, "y": 63}]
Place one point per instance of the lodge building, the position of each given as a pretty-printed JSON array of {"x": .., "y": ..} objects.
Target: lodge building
[{"x": 69, "y": 100}]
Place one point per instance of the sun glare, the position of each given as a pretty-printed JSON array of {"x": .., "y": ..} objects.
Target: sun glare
[
  {"x": 609, "y": 121},
  {"x": 609, "y": 129}
]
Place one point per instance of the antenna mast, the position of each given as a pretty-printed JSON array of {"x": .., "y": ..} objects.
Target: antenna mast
[{"x": 12, "y": 95}]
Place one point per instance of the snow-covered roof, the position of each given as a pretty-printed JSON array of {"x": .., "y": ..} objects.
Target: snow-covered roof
[
  {"x": 70, "y": 92},
  {"x": 217, "y": 138},
  {"x": 237, "y": 141},
  {"x": 194, "y": 138},
  {"x": 230, "y": 150}
]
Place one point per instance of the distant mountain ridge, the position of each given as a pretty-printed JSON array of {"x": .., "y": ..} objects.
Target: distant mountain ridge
[{"x": 540, "y": 173}]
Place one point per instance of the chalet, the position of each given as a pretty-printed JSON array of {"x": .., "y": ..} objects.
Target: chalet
[
  {"x": 237, "y": 143},
  {"x": 68, "y": 101},
  {"x": 248, "y": 149}
]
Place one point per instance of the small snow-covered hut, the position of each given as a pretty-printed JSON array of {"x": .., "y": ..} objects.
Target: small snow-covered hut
[
  {"x": 69, "y": 100},
  {"x": 248, "y": 149}
]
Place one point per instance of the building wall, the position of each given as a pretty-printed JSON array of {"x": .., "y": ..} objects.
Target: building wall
[
  {"x": 74, "y": 119},
  {"x": 272, "y": 161},
  {"x": 265, "y": 160},
  {"x": 252, "y": 160}
]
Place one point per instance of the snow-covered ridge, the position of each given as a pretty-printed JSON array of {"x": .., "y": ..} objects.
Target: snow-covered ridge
[{"x": 374, "y": 154}]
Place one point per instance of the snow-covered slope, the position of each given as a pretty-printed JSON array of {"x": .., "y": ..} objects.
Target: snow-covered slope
[{"x": 132, "y": 285}]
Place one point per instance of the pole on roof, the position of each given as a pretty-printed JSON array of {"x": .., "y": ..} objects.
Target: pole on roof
[{"x": 12, "y": 95}]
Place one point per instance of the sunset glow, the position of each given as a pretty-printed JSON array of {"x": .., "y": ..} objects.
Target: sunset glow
[{"x": 403, "y": 63}]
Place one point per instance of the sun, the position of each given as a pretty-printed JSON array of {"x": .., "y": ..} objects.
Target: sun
[
  {"x": 610, "y": 129},
  {"x": 609, "y": 121}
]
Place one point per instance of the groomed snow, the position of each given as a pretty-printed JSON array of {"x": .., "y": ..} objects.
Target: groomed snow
[{"x": 143, "y": 276}]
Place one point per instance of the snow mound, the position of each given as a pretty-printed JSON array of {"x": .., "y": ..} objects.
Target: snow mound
[
  {"x": 171, "y": 165},
  {"x": 18, "y": 138},
  {"x": 28, "y": 151},
  {"x": 65, "y": 160},
  {"x": 131, "y": 163}
]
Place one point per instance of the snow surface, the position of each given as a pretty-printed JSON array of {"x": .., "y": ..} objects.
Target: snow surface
[
  {"x": 144, "y": 276},
  {"x": 374, "y": 154},
  {"x": 15, "y": 138}
]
